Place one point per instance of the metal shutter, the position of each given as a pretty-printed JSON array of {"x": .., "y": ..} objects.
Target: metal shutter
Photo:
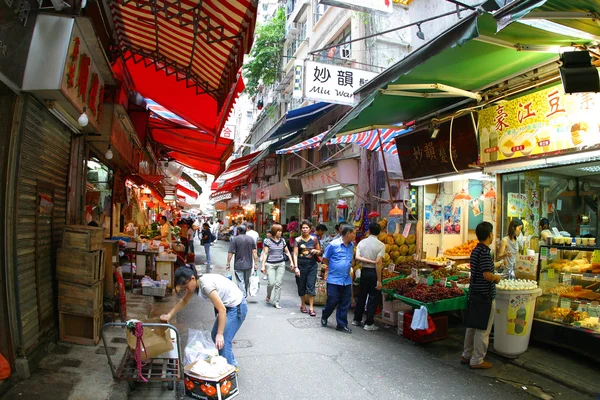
[{"x": 43, "y": 168}]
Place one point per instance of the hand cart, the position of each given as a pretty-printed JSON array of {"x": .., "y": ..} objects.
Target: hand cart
[{"x": 167, "y": 367}]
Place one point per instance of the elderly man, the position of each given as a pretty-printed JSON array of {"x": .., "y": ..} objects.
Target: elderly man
[
  {"x": 246, "y": 257},
  {"x": 337, "y": 259}
]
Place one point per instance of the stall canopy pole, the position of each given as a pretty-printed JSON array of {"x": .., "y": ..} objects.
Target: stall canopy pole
[
  {"x": 332, "y": 178},
  {"x": 387, "y": 176}
]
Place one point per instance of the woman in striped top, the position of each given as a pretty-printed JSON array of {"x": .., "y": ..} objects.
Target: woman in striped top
[{"x": 273, "y": 258}]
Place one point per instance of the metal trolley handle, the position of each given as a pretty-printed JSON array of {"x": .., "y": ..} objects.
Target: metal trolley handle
[{"x": 149, "y": 324}]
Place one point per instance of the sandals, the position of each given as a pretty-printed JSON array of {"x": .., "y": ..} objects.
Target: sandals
[
  {"x": 303, "y": 310},
  {"x": 312, "y": 313},
  {"x": 268, "y": 300}
]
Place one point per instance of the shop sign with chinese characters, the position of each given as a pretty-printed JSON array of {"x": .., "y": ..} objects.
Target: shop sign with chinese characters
[
  {"x": 421, "y": 156},
  {"x": 345, "y": 172},
  {"x": 333, "y": 83},
  {"x": 542, "y": 122},
  {"x": 82, "y": 83}
]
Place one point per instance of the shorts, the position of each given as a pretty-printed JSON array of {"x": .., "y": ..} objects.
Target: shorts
[{"x": 307, "y": 279}]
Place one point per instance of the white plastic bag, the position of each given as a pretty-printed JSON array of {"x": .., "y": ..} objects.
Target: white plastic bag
[
  {"x": 254, "y": 284},
  {"x": 419, "y": 321},
  {"x": 199, "y": 347}
]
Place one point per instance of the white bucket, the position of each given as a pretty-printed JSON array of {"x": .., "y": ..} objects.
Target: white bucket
[{"x": 513, "y": 320}]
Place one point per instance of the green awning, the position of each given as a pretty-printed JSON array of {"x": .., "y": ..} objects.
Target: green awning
[{"x": 484, "y": 60}]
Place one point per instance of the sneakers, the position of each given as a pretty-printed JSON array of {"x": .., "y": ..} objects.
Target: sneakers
[
  {"x": 356, "y": 323},
  {"x": 371, "y": 328},
  {"x": 483, "y": 365},
  {"x": 277, "y": 306}
]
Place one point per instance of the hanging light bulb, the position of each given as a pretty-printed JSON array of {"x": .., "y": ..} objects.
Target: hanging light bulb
[
  {"x": 491, "y": 194},
  {"x": 396, "y": 211},
  {"x": 109, "y": 153},
  {"x": 420, "y": 33},
  {"x": 463, "y": 196},
  {"x": 83, "y": 119}
]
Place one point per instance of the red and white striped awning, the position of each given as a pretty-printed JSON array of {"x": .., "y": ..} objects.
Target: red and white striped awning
[{"x": 200, "y": 41}]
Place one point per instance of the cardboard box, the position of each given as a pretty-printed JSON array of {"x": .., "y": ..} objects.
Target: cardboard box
[
  {"x": 157, "y": 340},
  {"x": 219, "y": 388}
]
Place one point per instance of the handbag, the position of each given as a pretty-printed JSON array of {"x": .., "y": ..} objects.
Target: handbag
[{"x": 479, "y": 308}]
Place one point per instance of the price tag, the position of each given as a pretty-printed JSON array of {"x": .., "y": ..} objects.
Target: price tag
[
  {"x": 565, "y": 303},
  {"x": 550, "y": 273},
  {"x": 448, "y": 263},
  {"x": 414, "y": 274},
  {"x": 543, "y": 253},
  {"x": 553, "y": 251},
  {"x": 555, "y": 299},
  {"x": 391, "y": 267},
  {"x": 453, "y": 284},
  {"x": 567, "y": 279},
  {"x": 443, "y": 281},
  {"x": 589, "y": 277},
  {"x": 406, "y": 229}
]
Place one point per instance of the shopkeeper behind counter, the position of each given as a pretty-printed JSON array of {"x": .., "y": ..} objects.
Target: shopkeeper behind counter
[
  {"x": 545, "y": 231},
  {"x": 165, "y": 230}
]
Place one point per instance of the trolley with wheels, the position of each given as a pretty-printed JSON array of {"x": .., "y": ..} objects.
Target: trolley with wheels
[{"x": 166, "y": 367}]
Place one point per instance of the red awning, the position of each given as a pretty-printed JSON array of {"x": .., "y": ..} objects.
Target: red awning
[
  {"x": 189, "y": 192},
  {"x": 236, "y": 181},
  {"x": 201, "y": 42},
  {"x": 242, "y": 162},
  {"x": 200, "y": 164}
]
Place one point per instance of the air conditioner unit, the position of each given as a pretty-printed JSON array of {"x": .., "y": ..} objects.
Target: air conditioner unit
[
  {"x": 292, "y": 28},
  {"x": 345, "y": 53}
]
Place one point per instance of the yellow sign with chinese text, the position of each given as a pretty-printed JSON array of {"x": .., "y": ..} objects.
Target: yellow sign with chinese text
[{"x": 538, "y": 123}]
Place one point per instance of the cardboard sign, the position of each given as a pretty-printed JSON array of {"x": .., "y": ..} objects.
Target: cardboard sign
[
  {"x": 414, "y": 274},
  {"x": 406, "y": 229},
  {"x": 551, "y": 273}
]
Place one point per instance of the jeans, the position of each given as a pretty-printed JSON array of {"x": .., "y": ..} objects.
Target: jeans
[
  {"x": 207, "y": 251},
  {"x": 235, "y": 318},
  {"x": 368, "y": 285},
  {"x": 275, "y": 271},
  {"x": 242, "y": 278},
  {"x": 340, "y": 296},
  {"x": 477, "y": 340}
]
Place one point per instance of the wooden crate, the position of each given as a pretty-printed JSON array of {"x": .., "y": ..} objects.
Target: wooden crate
[
  {"x": 111, "y": 258},
  {"x": 76, "y": 266},
  {"x": 80, "y": 329},
  {"x": 80, "y": 299},
  {"x": 82, "y": 237}
]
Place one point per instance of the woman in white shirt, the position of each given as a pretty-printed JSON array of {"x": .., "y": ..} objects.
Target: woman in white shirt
[{"x": 226, "y": 297}]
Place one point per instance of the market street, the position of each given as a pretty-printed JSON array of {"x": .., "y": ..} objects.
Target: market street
[{"x": 284, "y": 354}]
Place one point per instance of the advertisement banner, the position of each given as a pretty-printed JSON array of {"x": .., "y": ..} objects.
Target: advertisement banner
[
  {"x": 333, "y": 83},
  {"x": 542, "y": 122},
  {"x": 519, "y": 312}
]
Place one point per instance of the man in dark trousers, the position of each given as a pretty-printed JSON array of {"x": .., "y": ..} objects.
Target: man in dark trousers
[
  {"x": 246, "y": 257},
  {"x": 337, "y": 259},
  {"x": 369, "y": 252},
  {"x": 482, "y": 303}
]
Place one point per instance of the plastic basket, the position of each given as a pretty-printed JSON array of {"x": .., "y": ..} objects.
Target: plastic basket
[
  {"x": 441, "y": 329},
  {"x": 457, "y": 303}
]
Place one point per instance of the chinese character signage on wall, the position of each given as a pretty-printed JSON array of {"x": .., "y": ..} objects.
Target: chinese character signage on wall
[
  {"x": 421, "y": 156},
  {"x": 541, "y": 122},
  {"x": 333, "y": 83},
  {"x": 368, "y": 6},
  {"x": 228, "y": 132},
  {"x": 82, "y": 83}
]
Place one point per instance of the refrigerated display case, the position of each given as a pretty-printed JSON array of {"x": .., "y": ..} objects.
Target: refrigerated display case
[{"x": 567, "y": 312}]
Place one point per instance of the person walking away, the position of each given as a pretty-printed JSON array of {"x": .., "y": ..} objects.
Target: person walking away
[
  {"x": 337, "y": 259},
  {"x": 206, "y": 239},
  {"x": 369, "y": 252},
  {"x": 227, "y": 299},
  {"x": 251, "y": 232},
  {"x": 510, "y": 247},
  {"x": 273, "y": 261},
  {"x": 244, "y": 249},
  {"x": 306, "y": 250},
  {"x": 481, "y": 303}
]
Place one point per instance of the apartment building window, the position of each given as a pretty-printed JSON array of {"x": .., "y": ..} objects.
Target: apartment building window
[
  {"x": 291, "y": 50},
  {"x": 294, "y": 163},
  {"x": 319, "y": 10},
  {"x": 338, "y": 54},
  {"x": 302, "y": 31},
  {"x": 289, "y": 8},
  {"x": 249, "y": 115}
]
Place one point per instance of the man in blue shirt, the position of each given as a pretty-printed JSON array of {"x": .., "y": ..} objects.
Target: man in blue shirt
[{"x": 338, "y": 260}]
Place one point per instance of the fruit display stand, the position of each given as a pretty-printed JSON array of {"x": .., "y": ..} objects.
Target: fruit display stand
[{"x": 455, "y": 304}]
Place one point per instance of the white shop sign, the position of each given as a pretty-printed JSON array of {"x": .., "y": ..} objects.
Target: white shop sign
[
  {"x": 345, "y": 172},
  {"x": 333, "y": 83}
]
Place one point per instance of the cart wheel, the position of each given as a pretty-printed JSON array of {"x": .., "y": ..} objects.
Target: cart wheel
[
  {"x": 171, "y": 385},
  {"x": 133, "y": 384}
]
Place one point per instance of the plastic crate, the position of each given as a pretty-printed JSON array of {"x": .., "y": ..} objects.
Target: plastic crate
[
  {"x": 441, "y": 329},
  {"x": 457, "y": 303}
]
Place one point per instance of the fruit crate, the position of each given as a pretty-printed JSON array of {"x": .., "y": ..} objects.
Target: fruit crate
[
  {"x": 395, "y": 278},
  {"x": 457, "y": 303},
  {"x": 441, "y": 329}
]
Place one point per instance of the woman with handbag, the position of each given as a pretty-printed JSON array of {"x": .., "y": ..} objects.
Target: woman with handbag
[
  {"x": 273, "y": 263},
  {"x": 306, "y": 251},
  {"x": 481, "y": 301}
]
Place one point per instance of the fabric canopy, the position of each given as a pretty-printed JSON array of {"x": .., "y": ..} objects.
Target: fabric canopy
[
  {"x": 311, "y": 143},
  {"x": 242, "y": 162},
  {"x": 203, "y": 42},
  {"x": 472, "y": 66},
  {"x": 187, "y": 191},
  {"x": 296, "y": 119},
  {"x": 273, "y": 147}
]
